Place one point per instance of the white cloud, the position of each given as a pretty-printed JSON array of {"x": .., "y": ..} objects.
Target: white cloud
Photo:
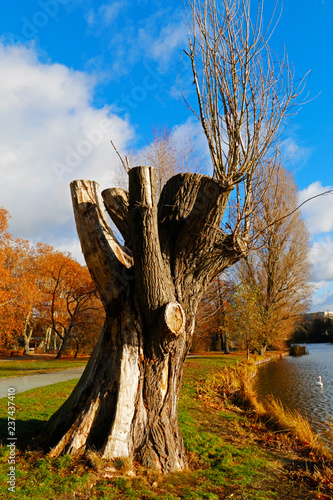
[
  {"x": 109, "y": 12},
  {"x": 318, "y": 212},
  {"x": 295, "y": 152},
  {"x": 71, "y": 245},
  {"x": 192, "y": 128},
  {"x": 160, "y": 45},
  {"x": 154, "y": 38},
  {"x": 106, "y": 14},
  {"x": 50, "y": 134},
  {"x": 191, "y": 132},
  {"x": 323, "y": 298},
  {"x": 321, "y": 258}
]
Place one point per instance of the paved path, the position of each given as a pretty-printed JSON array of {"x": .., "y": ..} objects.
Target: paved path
[{"x": 28, "y": 382}]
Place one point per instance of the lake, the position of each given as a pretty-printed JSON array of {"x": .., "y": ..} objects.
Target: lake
[{"x": 292, "y": 380}]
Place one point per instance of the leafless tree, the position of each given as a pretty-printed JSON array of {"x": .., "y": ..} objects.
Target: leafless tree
[
  {"x": 278, "y": 270},
  {"x": 244, "y": 92},
  {"x": 169, "y": 155},
  {"x": 214, "y": 328}
]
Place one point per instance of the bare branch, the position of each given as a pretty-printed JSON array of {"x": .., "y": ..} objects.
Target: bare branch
[
  {"x": 244, "y": 91},
  {"x": 125, "y": 163}
]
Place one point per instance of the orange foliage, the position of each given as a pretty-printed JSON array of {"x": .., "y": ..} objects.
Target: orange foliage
[
  {"x": 70, "y": 299},
  {"x": 214, "y": 325},
  {"x": 43, "y": 288}
]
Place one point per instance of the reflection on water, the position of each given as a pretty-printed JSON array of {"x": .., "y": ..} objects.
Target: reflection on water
[{"x": 293, "y": 381}]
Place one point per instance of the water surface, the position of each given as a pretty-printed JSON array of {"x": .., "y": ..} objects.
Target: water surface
[{"x": 292, "y": 380}]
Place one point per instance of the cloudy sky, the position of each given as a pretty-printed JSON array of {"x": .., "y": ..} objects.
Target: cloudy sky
[{"x": 76, "y": 73}]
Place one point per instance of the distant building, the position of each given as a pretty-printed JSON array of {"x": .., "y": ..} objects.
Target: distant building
[{"x": 319, "y": 315}]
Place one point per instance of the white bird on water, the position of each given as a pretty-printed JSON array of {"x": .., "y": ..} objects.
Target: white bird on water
[{"x": 319, "y": 382}]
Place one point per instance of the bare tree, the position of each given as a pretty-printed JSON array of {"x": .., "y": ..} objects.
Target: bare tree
[
  {"x": 244, "y": 92},
  {"x": 214, "y": 324},
  {"x": 279, "y": 269},
  {"x": 245, "y": 317},
  {"x": 126, "y": 402},
  {"x": 169, "y": 154}
]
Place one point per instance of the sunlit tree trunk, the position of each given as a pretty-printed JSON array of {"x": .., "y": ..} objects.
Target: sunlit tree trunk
[
  {"x": 27, "y": 334},
  {"x": 126, "y": 402}
]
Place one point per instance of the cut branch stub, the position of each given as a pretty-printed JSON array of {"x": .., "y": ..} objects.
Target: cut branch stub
[
  {"x": 106, "y": 259},
  {"x": 174, "y": 318},
  {"x": 116, "y": 204}
]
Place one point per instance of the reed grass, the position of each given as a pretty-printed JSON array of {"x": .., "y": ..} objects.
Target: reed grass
[
  {"x": 229, "y": 384},
  {"x": 294, "y": 424},
  {"x": 236, "y": 386}
]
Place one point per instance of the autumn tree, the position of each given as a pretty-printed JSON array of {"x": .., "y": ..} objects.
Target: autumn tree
[
  {"x": 28, "y": 296},
  {"x": 126, "y": 402},
  {"x": 7, "y": 288},
  {"x": 41, "y": 288},
  {"x": 16, "y": 286},
  {"x": 87, "y": 328},
  {"x": 215, "y": 327},
  {"x": 246, "y": 318},
  {"x": 278, "y": 271},
  {"x": 69, "y": 296}
]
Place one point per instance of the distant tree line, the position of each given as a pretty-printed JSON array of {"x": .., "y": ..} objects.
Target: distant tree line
[{"x": 314, "y": 329}]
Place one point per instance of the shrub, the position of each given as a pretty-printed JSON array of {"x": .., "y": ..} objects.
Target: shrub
[{"x": 298, "y": 350}]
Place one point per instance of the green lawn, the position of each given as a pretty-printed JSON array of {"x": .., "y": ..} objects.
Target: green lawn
[
  {"x": 225, "y": 459},
  {"x": 18, "y": 368}
]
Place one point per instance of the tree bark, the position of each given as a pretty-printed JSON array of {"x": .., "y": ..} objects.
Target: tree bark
[
  {"x": 126, "y": 402},
  {"x": 65, "y": 339},
  {"x": 27, "y": 336}
]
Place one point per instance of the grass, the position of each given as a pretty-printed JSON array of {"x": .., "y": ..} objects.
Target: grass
[
  {"x": 291, "y": 422},
  {"x": 231, "y": 452},
  {"x": 34, "y": 408},
  {"x": 18, "y": 368}
]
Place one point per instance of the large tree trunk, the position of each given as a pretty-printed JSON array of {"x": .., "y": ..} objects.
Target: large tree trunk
[{"x": 126, "y": 402}]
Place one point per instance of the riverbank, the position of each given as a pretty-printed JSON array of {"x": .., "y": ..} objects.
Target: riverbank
[
  {"x": 233, "y": 453},
  {"x": 293, "y": 381},
  {"x": 303, "y": 455},
  {"x": 271, "y": 356}
]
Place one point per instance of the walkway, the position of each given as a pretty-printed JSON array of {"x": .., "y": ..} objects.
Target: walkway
[{"x": 27, "y": 382}]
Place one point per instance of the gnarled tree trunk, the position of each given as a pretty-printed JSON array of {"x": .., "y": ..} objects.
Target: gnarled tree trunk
[{"x": 126, "y": 402}]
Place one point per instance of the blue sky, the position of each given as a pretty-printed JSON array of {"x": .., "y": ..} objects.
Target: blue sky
[{"x": 76, "y": 73}]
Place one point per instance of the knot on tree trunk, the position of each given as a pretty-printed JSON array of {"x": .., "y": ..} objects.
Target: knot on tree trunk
[
  {"x": 174, "y": 318},
  {"x": 240, "y": 245}
]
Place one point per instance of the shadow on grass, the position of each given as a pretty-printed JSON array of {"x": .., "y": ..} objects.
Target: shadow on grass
[{"x": 26, "y": 432}]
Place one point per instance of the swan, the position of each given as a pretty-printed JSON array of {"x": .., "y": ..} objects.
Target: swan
[{"x": 319, "y": 382}]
